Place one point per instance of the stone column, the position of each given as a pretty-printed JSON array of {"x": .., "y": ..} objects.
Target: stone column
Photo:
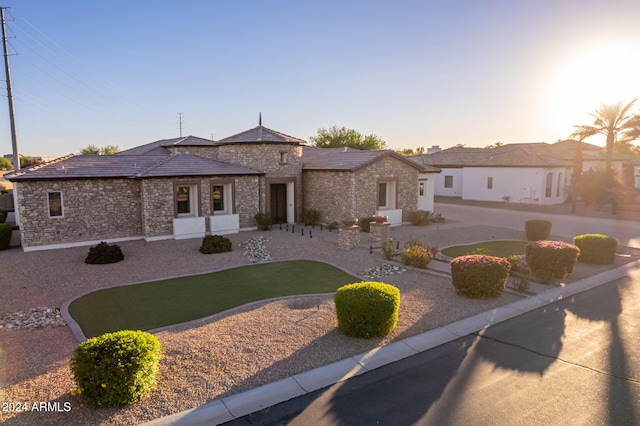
[
  {"x": 379, "y": 231},
  {"x": 348, "y": 237}
]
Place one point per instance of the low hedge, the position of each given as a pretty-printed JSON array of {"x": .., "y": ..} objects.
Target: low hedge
[
  {"x": 215, "y": 244},
  {"x": 596, "y": 248},
  {"x": 479, "y": 276},
  {"x": 5, "y": 235},
  {"x": 367, "y": 309},
  {"x": 118, "y": 368},
  {"x": 537, "y": 229},
  {"x": 104, "y": 253},
  {"x": 551, "y": 259}
]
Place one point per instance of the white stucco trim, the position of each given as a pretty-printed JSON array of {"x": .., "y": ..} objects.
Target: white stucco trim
[
  {"x": 222, "y": 224},
  {"x": 79, "y": 244},
  {"x": 189, "y": 227}
]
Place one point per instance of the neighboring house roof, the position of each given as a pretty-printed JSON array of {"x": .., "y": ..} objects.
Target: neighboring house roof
[
  {"x": 260, "y": 134},
  {"x": 350, "y": 159},
  {"x": 159, "y": 147},
  {"x": 129, "y": 166},
  {"x": 450, "y": 157}
]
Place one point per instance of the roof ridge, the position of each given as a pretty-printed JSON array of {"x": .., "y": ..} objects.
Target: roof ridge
[{"x": 158, "y": 164}]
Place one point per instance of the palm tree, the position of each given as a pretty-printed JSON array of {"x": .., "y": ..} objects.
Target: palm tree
[{"x": 611, "y": 120}]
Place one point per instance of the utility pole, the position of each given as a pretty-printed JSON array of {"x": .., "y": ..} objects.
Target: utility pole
[
  {"x": 180, "y": 122},
  {"x": 12, "y": 119},
  {"x": 14, "y": 139}
]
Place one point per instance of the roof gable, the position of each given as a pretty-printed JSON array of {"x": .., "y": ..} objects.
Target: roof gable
[
  {"x": 260, "y": 134},
  {"x": 349, "y": 159}
]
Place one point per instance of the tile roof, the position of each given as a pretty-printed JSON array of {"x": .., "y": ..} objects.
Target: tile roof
[
  {"x": 450, "y": 157},
  {"x": 349, "y": 159},
  {"x": 260, "y": 134},
  {"x": 159, "y": 147},
  {"x": 129, "y": 166}
]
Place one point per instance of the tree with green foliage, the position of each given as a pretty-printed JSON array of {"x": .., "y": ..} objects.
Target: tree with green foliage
[
  {"x": 28, "y": 161},
  {"x": 95, "y": 150},
  {"x": 612, "y": 121},
  {"x": 411, "y": 151},
  {"x": 337, "y": 137},
  {"x": 494, "y": 145},
  {"x": 5, "y": 164}
]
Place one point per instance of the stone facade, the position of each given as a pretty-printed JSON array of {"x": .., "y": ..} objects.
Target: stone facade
[
  {"x": 93, "y": 209},
  {"x": 281, "y": 162},
  {"x": 342, "y": 195},
  {"x": 348, "y": 237}
]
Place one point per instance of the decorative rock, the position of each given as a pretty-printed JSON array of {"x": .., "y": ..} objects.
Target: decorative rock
[
  {"x": 33, "y": 318},
  {"x": 255, "y": 249},
  {"x": 379, "y": 272}
]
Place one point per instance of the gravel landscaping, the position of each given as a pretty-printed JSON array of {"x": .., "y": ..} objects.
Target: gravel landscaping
[{"x": 230, "y": 352}]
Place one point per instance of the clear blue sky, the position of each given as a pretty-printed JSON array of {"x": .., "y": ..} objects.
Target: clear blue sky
[{"x": 415, "y": 73}]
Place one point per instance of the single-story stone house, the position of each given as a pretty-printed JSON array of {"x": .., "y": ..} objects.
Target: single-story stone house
[{"x": 189, "y": 187}]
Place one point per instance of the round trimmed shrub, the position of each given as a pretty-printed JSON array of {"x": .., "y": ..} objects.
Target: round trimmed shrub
[
  {"x": 596, "y": 248},
  {"x": 104, "y": 253},
  {"x": 5, "y": 235},
  {"x": 215, "y": 244},
  {"x": 537, "y": 229},
  {"x": 367, "y": 309},
  {"x": 417, "y": 255},
  {"x": 118, "y": 368},
  {"x": 551, "y": 259},
  {"x": 479, "y": 276}
]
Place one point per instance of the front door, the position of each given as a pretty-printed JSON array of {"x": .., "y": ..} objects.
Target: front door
[{"x": 279, "y": 202}]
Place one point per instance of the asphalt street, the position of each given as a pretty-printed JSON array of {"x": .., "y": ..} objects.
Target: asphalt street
[{"x": 573, "y": 362}]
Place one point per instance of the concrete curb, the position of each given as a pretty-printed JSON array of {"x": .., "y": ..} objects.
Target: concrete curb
[{"x": 235, "y": 406}]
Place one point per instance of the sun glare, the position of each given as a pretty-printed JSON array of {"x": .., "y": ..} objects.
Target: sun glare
[{"x": 594, "y": 75}]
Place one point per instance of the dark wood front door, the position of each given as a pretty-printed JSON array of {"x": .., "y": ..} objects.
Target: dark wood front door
[{"x": 279, "y": 202}]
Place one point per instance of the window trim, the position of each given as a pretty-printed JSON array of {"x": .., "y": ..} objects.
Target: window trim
[
  {"x": 194, "y": 202},
  {"x": 548, "y": 186},
  {"x": 490, "y": 182},
  {"x": 229, "y": 196},
  {"x": 61, "y": 215},
  {"x": 450, "y": 179},
  {"x": 391, "y": 193}
]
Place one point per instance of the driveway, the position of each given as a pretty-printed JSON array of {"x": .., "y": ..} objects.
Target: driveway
[{"x": 627, "y": 232}]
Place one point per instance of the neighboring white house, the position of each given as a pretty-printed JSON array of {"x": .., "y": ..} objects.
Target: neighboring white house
[{"x": 522, "y": 173}]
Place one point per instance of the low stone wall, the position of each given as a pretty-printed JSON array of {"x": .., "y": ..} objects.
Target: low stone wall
[{"x": 348, "y": 237}]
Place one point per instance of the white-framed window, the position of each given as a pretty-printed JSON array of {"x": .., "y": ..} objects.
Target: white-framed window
[
  {"x": 387, "y": 194},
  {"x": 548, "y": 185},
  {"x": 222, "y": 197},
  {"x": 489, "y": 183},
  {"x": 283, "y": 157},
  {"x": 54, "y": 203},
  {"x": 560, "y": 184},
  {"x": 448, "y": 181},
  {"x": 186, "y": 200}
]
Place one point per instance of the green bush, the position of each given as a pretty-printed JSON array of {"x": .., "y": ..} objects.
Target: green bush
[
  {"x": 479, "y": 276},
  {"x": 596, "y": 248},
  {"x": 3, "y": 215},
  {"x": 417, "y": 255},
  {"x": 116, "y": 368},
  {"x": 424, "y": 217},
  {"x": 519, "y": 271},
  {"x": 387, "y": 249},
  {"x": 264, "y": 221},
  {"x": 104, "y": 253},
  {"x": 367, "y": 309},
  {"x": 551, "y": 259},
  {"x": 5, "y": 235},
  {"x": 311, "y": 217},
  {"x": 537, "y": 229},
  {"x": 215, "y": 244},
  {"x": 365, "y": 223}
]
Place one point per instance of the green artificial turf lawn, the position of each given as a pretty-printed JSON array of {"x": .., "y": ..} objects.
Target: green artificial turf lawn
[
  {"x": 491, "y": 248},
  {"x": 160, "y": 303}
]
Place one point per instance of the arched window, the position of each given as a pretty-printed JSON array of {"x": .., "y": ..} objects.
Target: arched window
[
  {"x": 560, "y": 184},
  {"x": 549, "y": 184}
]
